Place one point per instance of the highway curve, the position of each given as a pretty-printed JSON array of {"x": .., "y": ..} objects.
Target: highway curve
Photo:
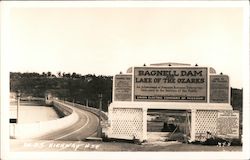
[{"x": 85, "y": 127}]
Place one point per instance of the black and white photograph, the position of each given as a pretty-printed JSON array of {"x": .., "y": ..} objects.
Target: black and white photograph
[{"x": 124, "y": 80}]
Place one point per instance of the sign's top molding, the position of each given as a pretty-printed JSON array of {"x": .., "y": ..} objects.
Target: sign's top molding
[{"x": 171, "y": 65}]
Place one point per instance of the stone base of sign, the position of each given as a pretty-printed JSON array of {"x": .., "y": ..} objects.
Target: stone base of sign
[{"x": 128, "y": 120}]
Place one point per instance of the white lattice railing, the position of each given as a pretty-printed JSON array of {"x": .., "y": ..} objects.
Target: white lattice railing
[
  {"x": 126, "y": 123},
  {"x": 206, "y": 121}
]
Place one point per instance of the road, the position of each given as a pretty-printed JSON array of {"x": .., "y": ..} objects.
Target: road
[
  {"x": 85, "y": 127},
  {"x": 67, "y": 139}
]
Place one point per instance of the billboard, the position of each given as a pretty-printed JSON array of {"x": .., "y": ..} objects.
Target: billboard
[
  {"x": 123, "y": 88},
  {"x": 219, "y": 89},
  {"x": 173, "y": 84}
]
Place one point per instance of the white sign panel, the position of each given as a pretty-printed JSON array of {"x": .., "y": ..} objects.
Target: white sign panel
[
  {"x": 228, "y": 124},
  {"x": 173, "y": 84}
]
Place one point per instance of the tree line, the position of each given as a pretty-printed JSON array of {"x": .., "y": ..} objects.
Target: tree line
[{"x": 83, "y": 89}]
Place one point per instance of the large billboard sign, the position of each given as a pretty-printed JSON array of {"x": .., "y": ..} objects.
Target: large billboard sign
[
  {"x": 123, "y": 88},
  {"x": 173, "y": 84},
  {"x": 219, "y": 89}
]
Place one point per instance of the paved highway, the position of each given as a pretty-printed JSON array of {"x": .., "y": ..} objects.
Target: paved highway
[
  {"x": 67, "y": 139},
  {"x": 85, "y": 127}
]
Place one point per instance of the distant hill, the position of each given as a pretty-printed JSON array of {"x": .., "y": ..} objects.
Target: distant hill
[
  {"x": 79, "y": 88},
  {"x": 236, "y": 98},
  {"x": 71, "y": 87},
  {"x": 237, "y": 102}
]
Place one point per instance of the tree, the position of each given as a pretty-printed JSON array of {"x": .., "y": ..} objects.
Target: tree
[
  {"x": 44, "y": 74},
  {"x": 49, "y": 74},
  {"x": 59, "y": 74},
  {"x": 73, "y": 75}
]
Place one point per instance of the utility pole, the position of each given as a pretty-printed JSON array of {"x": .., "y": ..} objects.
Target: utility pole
[
  {"x": 18, "y": 95},
  {"x": 99, "y": 129}
]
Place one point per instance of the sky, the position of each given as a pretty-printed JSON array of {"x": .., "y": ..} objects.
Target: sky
[{"x": 105, "y": 41}]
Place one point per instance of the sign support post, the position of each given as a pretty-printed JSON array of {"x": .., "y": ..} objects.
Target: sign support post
[
  {"x": 193, "y": 124},
  {"x": 144, "y": 123}
]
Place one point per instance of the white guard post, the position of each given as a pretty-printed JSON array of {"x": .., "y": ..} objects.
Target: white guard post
[
  {"x": 48, "y": 98},
  {"x": 128, "y": 115}
]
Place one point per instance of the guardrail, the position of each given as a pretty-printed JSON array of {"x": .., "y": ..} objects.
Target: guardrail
[
  {"x": 31, "y": 99},
  {"x": 95, "y": 111},
  {"x": 61, "y": 110}
]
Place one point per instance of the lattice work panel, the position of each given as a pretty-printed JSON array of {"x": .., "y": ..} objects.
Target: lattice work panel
[
  {"x": 206, "y": 121},
  {"x": 127, "y": 122}
]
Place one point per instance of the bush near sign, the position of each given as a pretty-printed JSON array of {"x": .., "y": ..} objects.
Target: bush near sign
[{"x": 175, "y": 84}]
